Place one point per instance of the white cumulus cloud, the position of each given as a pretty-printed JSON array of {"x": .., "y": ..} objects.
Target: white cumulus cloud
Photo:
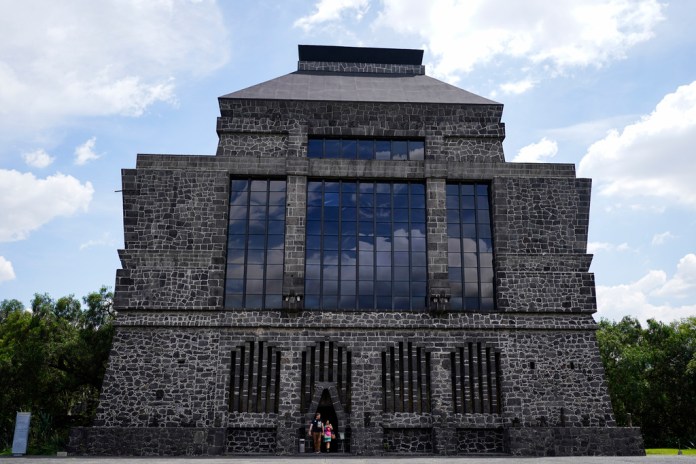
[
  {"x": 539, "y": 152},
  {"x": 6, "y": 270},
  {"x": 332, "y": 10},
  {"x": 594, "y": 247},
  {"x": 552, "y": 37},
  {"x": 517, "y": 87},
  {"x": 38, "y": 158},
  {"x": 659, "y": 239},
  {"x": 27, "y": 203},
  {"x": 85, "y": 152},
  {"x": 654, "y": 296},
  {"x": 649, "y": 159},
  {"x": 77, "y": 58}
]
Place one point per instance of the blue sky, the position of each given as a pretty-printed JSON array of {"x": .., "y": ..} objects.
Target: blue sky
[{"x": 609, "y": 85}]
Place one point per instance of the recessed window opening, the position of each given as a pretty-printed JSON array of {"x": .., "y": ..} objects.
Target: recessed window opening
[{"x": 366, "y": 149}]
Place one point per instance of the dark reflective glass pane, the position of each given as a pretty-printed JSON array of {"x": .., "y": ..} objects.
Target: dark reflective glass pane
[
  {"x": 417, "y": 190},
  {"x": 402, "y": 303},
  {"x": 366, "y": 149},
  {"x": 484, "y": 216},
  {"x": 471, "y": 303},
  {"x": 312, "y": 271},
  {"x": 382, "y": 150},
  {"x": 383, "y": 244},
  {"x": 257, "y": 226},
  {"x": 401, "y": 258},
  {"x": 366, "y": 273},
  {"x": 276, "y": 198},
  {"x": 452, "y": 202},
  {"x": 276, "y": 227},
  {"x": 468, "y": 216},
  {"x": 238, "y": 213},
  {"x": 383, "y": 258},
  {"x": 418, "y": 289},
  {"x": 418, "y": 229},
  {"x": 470, "y": 274},
  {"x": 453, "y": 245},
  {"x": 254, "y": 286},
  {"x": 417, "y": 215},
  {"x": 329, "y": 287},
  {"x": 383, "y": 188},
  {"x": 276, "y": 242},
  {"x": 332, "y": 148},
  {"x": 330, "y": 272},
  {"x": 384, "y": 274},
  {"x": 330, "y": 200},
  {"x": 330, "y": 242},
  {"x": 276, "y": 186},
  {"x": 486, "y": 259},
  {"x": 330, "y": 257},
  {"x": 417, "y": 201},
  {"x": 235, "y": 271},
  {"x": 416, "y": 150},
  {"x": 482, "y": 190},
  {"x": 469, "y": 245},
  {"x": 331, "y": 187},
  {"x": 348, "y": 272},
  {"x": 273, "y": 286},
  {"x": 383, "y": 302},
  {"x": 348, "y": 287},
  {"x": 367, "y": 258},
  {"x": 455, "y": 274},
  {"x": 456, "y": 288},
  {"x": 274, "y": 300},
  {"x": 256, "y": 256},
  {"x": 254, "y": 301},
  {"x": 456, "y": 302},
  {"x": 313, "y": 256},
  {"x": 233, "y": 300},
  {"x": 487, "y": 290},
  {"x": 470, "y": 260},
  {"x": 366, "y": 214},
  {"x": 348, "y": 242},
  {"x": 401, "y": 229},
  {"x": 237, "y": 242},
  {"x": 254, "y": 271},
  {"x": 329, "y": 302},
  {"x": 486, "y": 275},
  {"x": 467, "y": 189},
  {"x": 274, "y": 271},
  {"x": 401, "y": 289},
  {"x": 400, "y": 215},
  {"x": 313, "y": 227},
  {"x": 366, "y": 200},
  {"x": 384, "y": 229},
  {"x": 366, "y": 287},
  {"x": 257, "y": 241},
  {"x": 453, "y": 230},
  {"x": 419, "y": 273},
  {"x": 234, "y": 285},
  {"x": 401, "y": 243},
  {"x": 366, "y": 228},
  {"x": 453, "y": 216},
  {"x": 418, "y": 302},
  {"x": 315, "y": 148},
  {"x": 383, "y": 200},
  {"x": 311, "y": 302},
  {"x": 366, "y": 301},
  {"x": 469, "y": 230},
  {"x": 349, "y": 214},
  {"x": 349, "y": 228},
  {"x": 366, "y": 187},
  {"x": 349, "y": 257},
  {"x": 239, "y": 185},
  {"x": 401, "y": 273},
  {"x": 347, "y": 302},
  {"x": 484, "y": 230},
  {"x": 276, "y": 212},
  {"x": 258, "y": 212},
  {"x": 401, "y": 201},
  {"x": 467, "y": 202},
  {"x": 471, "y": 290},
  {"x": 452, "y": 190},
  {"x": 259, "y": 186},
  {"x": 454, "y": 259},
  {"x": 366, "y": 243},
  {"x": 348, "y": 149},
  {"x": 383, "y": 214},
  {"x": 418, "y": 259},
  {"x": 383, "y": 288},
  {"x": 312, "y": 287},
  {"x": 486, "y": 304},
  {"x": 331, "y": 228},
  {"x": 399, "y": 150}
]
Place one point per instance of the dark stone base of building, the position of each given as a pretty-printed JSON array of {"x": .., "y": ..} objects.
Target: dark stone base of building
[{"x": 193, "y": 441}]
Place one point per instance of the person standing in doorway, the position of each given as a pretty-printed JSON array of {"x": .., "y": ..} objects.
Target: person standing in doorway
[
  {"x": 328, "y": 435},
  {"x": 316, "y": 431}
]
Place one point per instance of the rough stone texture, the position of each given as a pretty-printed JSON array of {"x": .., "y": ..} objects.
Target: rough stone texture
[
  {"x": 480, "y": 441},
  {"x": 360, "y": 67},
  {"x": 167, "y": 385}
]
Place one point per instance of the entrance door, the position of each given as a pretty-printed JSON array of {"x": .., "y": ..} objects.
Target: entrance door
[{"x": 327, "y": 411}]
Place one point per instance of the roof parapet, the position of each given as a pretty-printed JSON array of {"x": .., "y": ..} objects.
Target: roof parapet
[{"x": 360, "y": 60}]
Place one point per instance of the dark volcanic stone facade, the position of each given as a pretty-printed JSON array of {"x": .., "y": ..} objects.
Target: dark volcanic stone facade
[{"x": 530, "y": 378}]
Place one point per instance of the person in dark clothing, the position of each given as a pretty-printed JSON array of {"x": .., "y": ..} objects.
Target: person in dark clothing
[{"x": 316, "y": 431}]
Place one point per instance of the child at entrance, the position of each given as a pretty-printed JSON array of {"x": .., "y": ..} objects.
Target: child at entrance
[{"x": 328, "y": 435}]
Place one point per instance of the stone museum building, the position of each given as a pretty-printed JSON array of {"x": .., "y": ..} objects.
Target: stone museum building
[{"x": 358, "y": 246}]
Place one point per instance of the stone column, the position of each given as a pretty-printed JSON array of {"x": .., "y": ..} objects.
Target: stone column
[
  {"x": 444, "y": 432},
  {"x": 290, "y": 418},
  {"x": 438, "y": 285},
  {"x": 366, "y": 427}
]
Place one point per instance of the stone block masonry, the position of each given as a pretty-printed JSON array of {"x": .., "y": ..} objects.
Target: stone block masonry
[{"x": 189, "y": 376}]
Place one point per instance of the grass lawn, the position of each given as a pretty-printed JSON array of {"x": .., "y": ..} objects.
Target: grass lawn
[{"x": 690, "y": 452}]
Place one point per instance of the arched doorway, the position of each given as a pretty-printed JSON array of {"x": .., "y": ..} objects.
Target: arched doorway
[{"x": 327, "y": 403}]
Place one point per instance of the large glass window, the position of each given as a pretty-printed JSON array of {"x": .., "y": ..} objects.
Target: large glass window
[
  {"x": 366, "y": 246},
  {"x": 255, "y": 244},
  {"x": 470, "y": 247},
  {"x": 366, "y": 149}
]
